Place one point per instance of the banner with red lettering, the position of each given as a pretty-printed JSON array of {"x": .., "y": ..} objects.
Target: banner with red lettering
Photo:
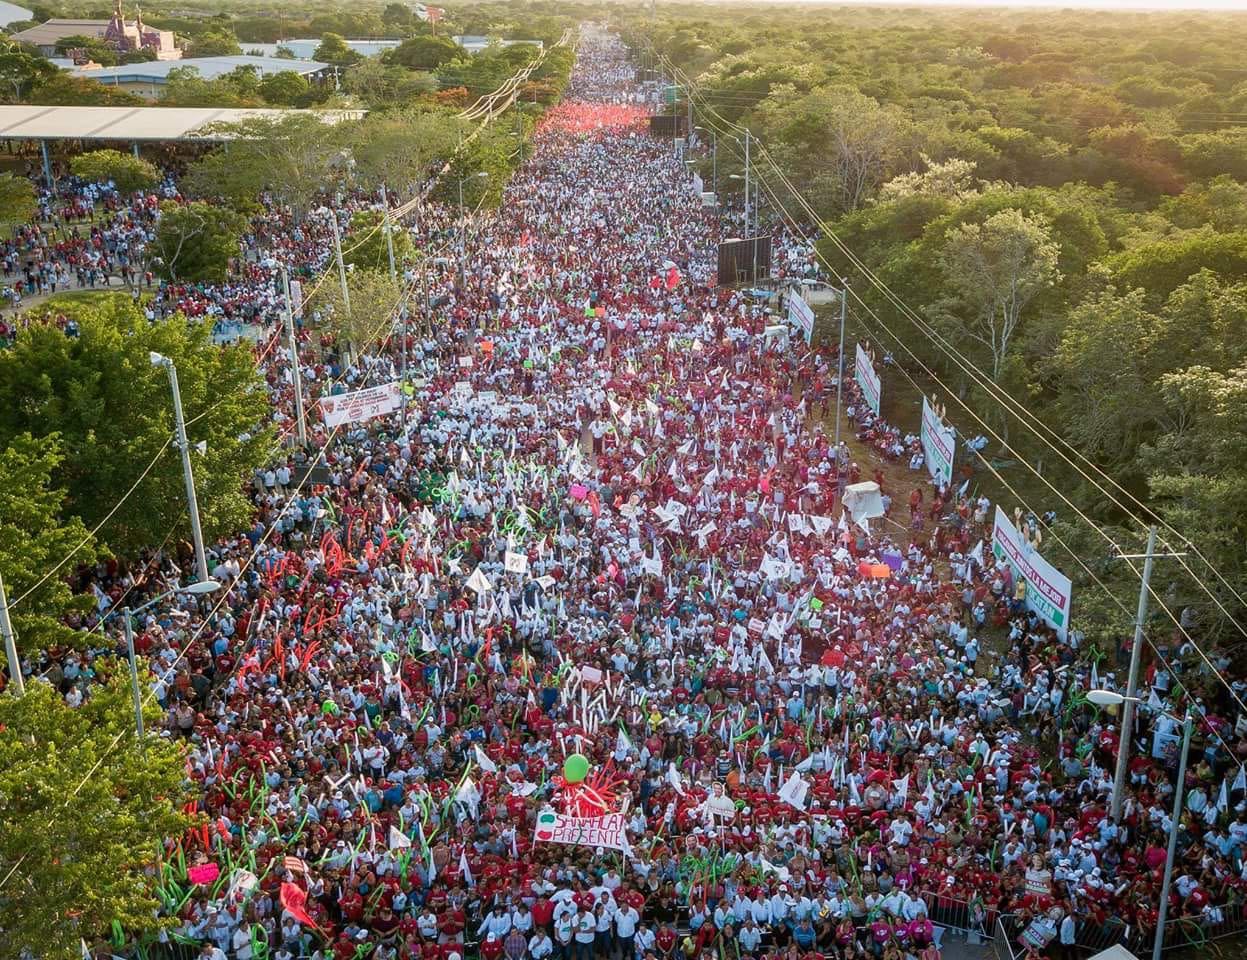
[
  {"x": 604, "y": 831},
  {"x": 360, "y": 405}
]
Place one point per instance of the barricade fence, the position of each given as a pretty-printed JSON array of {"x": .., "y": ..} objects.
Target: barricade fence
[{"x": 1089, "y": 936}]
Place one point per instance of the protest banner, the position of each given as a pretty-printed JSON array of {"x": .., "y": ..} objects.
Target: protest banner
[
  {"x": 1047, "y": 589},
  {"x": 939, "y": 444},
  {"x": 867, "y": 379},
  {"x": 604, "y": 831},
  {"x": 360, "y": 405},
  {"x": 801, "y": 315}
]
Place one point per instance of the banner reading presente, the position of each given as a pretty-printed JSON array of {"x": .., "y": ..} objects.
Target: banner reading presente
[
  {"x": 360, "y": 405},
  {"x": 867, "y": 379},
  {"x": 939, "y": 443},
  {"x": 1047, "y": 589},
  {"x": 604, "y": 831},
  {"x": 800, "y": 315}
]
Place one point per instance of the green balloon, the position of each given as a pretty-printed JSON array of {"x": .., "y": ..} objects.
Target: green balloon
[{"x": 575, "y": 768}]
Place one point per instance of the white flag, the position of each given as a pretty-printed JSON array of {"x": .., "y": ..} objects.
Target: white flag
[
  {"x": 794, "y": 790},
  {"x": 479, "y": 582},
  {"x": 515, "y": 562},
  {"x": 464, "y": 870},
  {"x": 398, "y": 839},
  {"x": 483, "y": 761}
]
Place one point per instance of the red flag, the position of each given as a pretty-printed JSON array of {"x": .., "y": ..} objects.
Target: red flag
[
  {"x": 294, "y": 902},
  {"x": 673, "y": 278}
]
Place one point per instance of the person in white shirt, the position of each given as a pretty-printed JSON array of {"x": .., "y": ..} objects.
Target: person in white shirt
[
  {"x": 540, "y": 945},
  {"x": 496, "y": 924},
  {"x": 522, "y": 918},
  {"x": 749, "y": 936},
  {"x": 644, "y": 941},
  {"x": 626, "y": 920},
  {"x": 586, "y": 927}
]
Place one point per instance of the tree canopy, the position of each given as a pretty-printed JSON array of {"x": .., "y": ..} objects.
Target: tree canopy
[
  {"x": 83, "y": 810},
  {"x": 112, "y": 411},
  {"x": 127, "y": 172}
]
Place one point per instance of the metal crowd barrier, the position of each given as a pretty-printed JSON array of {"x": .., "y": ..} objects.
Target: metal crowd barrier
[
  {"x": 1180, "y": 932},
  {"x": 974, "y": 920}
]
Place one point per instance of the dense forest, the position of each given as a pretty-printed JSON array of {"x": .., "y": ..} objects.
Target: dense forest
[{"x": 1043, "y": 219}]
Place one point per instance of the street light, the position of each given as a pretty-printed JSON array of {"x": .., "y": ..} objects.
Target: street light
[
  {"x": 714, "y": 159},
  {"x": 196, "y": 589},
  {"x": 201, "y": 559},
  {"x": 462, "y": 181},
  {"x": 1111, "y": 698}
]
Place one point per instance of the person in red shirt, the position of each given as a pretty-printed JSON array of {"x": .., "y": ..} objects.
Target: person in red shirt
[{"x": 543, "y": 913}]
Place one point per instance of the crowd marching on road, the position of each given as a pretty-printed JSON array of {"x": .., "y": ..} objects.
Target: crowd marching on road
[{"x": 609, "y": 524}]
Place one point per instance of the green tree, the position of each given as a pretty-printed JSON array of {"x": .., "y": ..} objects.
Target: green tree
[
  {"x": 127, "y": 172},
  {"x": 367, "y": 248},
  {"x": 83, "y": 811},
  {"x": 112, "y": 410},
  {"x": 195, "y": 241},
  {"x": 997, "y": 268},
  {"x": 20, "y": 71},
  {"x": 284, "y": 89},
  {"x": 333, "y": 49},
  {"x": 841, "y": 144},
  {"x": 17, "y": 199},
  {"x": 215, "y": 43},
  {"x": 63, "y": 90},
  {"x": 374, "y": 301},
  {"x": 93, "y": 47},
  {"x": 294, "y": 156},
  {"x": 34, "y": 539},
  {"x": 397, "y": 148},
  {"x": 425, "y": 53},
  {"x": 1198, "y": 478}
]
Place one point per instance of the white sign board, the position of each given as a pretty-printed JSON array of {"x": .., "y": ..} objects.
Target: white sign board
[
  {"x": 867, "y": 379},
  {"x": 939, "y": 443},
  {"x": 604, "y": 831},
  {"x": 1047, "y": 589},
  {"x": 800, "y": 315},
  {"x": 360, "y": 405}
]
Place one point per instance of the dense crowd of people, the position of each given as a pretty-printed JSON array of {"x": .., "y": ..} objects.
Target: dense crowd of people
[{"x": 610, "y": 523}]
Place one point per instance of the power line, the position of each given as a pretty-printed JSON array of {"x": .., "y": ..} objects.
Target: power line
[{"x": 810, "y": 211}]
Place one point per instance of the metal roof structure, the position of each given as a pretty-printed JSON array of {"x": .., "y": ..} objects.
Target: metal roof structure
[
  {"x": 12, "y": 13},
  {"x": 134, "y": 124},
  {"x": 157, "y": 71}
]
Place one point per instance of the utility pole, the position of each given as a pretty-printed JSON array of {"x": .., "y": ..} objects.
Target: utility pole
[
  {"x": 1179, "y": 793},
  {"x": 183, "y": 445},
  {"x": 134, "y": 675},
  {"x": 714, "y": 165},
  {"x": 296, "y": 372},
  {"x": 337, "y": 252},
  {"x": 389, "y": 235},
  {"x": 747, "y": 186},
  {"x": 844, "y": 302},
  {"x": 1127, "y": 709},
  {"x": 10, "y": 645}
]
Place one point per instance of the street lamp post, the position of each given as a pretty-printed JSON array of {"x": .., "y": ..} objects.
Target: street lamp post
[
  {"x": 844, "y": 300},
  {"x": 1109, "y": 698},
  {"x": 10, "y": 645},
  {"x": 198, "y": 589},
  {"x": 713, "y": 160},
  {"x": 183, "y": 445},
  {"x": 462, "y": 180}
]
